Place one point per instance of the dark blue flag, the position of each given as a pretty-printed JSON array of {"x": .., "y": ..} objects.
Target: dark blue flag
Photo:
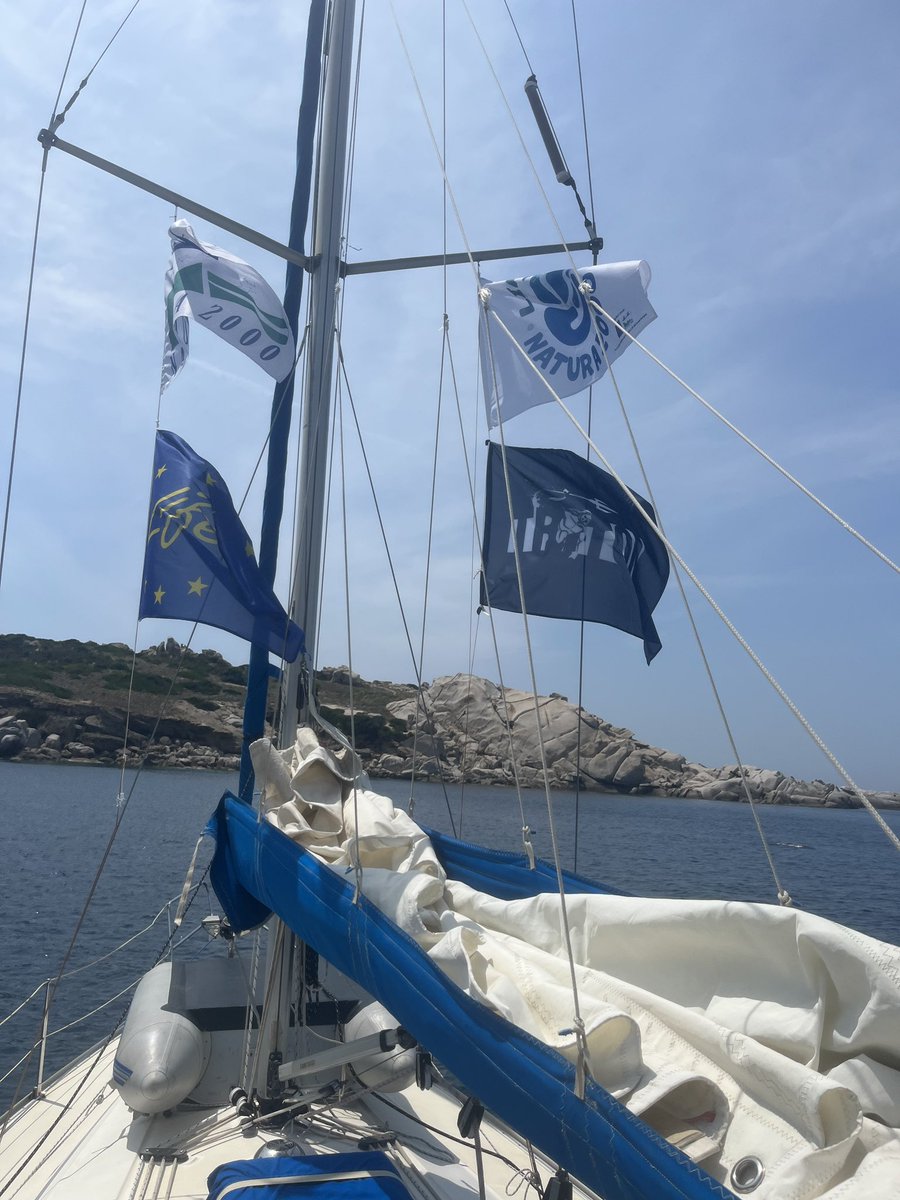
[
  {"x": 586, "y": 551},
  {"x": 199, "y": 563}
]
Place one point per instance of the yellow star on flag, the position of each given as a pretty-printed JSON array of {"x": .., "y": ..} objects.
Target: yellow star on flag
[
  {"x": 210, "y": 480},
  {"x": 248, "y": 549},
  {"x": 158, "y": 595},
  {"x": 161, "y": 471},
  {"x": 196, "y": 586}
]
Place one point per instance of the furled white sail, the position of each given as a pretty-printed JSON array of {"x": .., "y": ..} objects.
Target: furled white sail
[{"x": 739, "y": 1031}]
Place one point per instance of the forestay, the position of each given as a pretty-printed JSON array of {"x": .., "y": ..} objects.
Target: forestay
[{"x": 732, "y": 1030}]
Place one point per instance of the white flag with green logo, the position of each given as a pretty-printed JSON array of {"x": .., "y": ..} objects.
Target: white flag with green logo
[{"x": 215, "y": 289}]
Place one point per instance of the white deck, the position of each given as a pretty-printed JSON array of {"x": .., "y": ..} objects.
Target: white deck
[{"x": 91, "y": 1147}]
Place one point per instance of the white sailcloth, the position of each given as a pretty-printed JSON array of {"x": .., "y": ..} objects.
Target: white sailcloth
[
  {"x": 214, "y": 288},
  {"x": 557, "y": 336},
  {"x": 736, "y": 1030}
]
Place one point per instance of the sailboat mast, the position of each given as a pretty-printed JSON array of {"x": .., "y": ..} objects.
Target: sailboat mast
[{"x": 326, "y": 258}]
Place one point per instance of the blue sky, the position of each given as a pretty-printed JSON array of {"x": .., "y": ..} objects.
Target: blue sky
[{"x": 747, "y": 151}]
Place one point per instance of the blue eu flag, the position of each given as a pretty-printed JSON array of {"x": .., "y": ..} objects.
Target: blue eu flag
[
  {"x": 586, "y": 550},
  {"x": 199, "y": 563}
]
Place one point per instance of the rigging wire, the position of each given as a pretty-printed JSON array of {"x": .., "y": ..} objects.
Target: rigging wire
[
  {"x": 391, "y": 567},
  {"x": 437, "y": 417},
  {"x": 786, "y": 699},
  {"x": 58, "y": 118},
  {"x": 512, "y": 20},
  {"x": 768, "y": 458},
  {"x": 578, "y": 1023},
  {"x": 584, "y": 126},
  {"x": 355, "y": 856},
  {"x": 457, "y": 214},
  {"x": 31, "y": 273},
  {"x": 434, "y": 468},
  {"x": 587, "y": 453},
  {"x": 21, "y": 379},
  {"x": 753, "y": 445},
  {"x": 583, "y": 1063},
  {"x": 513, "y": 758},
  {"x": 437, "y": 420},
  {"x": 781, "y": 892}
]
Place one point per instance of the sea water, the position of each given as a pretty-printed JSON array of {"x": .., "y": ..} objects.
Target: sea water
[{"x": 57, "y": 822}]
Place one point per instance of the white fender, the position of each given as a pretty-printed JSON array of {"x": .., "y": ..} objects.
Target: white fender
[
  {"x": 162, "y": 1054},
  {"x": 385, "y": 1072}
]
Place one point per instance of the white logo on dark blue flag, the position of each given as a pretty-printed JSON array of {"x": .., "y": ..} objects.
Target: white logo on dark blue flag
[{"x": 586, "y": 549}]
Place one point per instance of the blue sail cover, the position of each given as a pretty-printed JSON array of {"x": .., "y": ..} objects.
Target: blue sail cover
[
  {"x": 504, "y": 875},
  {"x": 528, "y": 1085},
  {"x": 357, "y": 1176}
]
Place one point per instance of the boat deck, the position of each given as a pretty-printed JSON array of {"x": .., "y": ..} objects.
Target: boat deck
[{"x": 79, "y": 1141}]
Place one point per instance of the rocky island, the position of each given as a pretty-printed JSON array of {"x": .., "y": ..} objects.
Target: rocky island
[{"x": 68, "y": 702}]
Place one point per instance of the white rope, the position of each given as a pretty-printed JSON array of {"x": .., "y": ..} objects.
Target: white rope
[
  {"x": 749, "y": 441},
  {"x": 507, "y": 720},
  {"x": 428, "y": 548},
  {"x": 783, "y": 895},
  {"x": 551, "y": 821},
  {"x": 434, "y": 142},
  {"x": 188, "y": 880},
  {"x": 857, "y": 791},
  {"x": 357, "y": 862},
  {"x": 252, "y": 1016}
]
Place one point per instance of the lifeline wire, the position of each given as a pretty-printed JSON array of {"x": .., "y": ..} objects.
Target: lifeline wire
[{"x": 71, "y": 1099}]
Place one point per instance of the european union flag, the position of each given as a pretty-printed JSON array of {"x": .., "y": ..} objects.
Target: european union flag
[
  {"x": 586, "y": 550},
  {"x": 199, "y": 563}
]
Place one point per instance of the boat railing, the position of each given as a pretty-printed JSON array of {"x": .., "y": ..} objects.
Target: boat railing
[{"x": 47, "y": 992}]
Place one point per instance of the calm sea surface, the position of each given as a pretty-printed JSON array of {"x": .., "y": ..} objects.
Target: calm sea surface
[{"x": 56, "y": 822}]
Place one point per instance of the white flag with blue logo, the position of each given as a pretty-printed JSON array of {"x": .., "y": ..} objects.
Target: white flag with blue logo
[
  {"x": 215, "y": 289},
  {"x": 558, "y": 333}
]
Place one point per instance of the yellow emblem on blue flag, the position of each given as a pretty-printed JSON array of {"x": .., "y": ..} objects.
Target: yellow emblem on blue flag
[{"x": 196, "y": 561}]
